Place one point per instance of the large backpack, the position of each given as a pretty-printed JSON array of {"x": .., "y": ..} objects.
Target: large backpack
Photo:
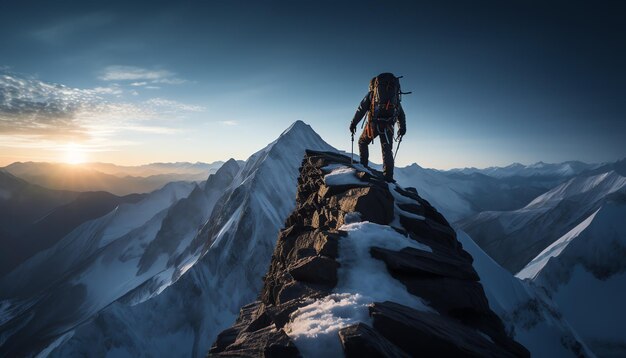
[{"x": 385, "y": 100}]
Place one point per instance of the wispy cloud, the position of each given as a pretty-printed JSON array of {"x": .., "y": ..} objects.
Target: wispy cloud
[
  {"x": 140, "y": 76},
  {"x": 229, "y": 123},
  {"x": 173, "y": 105},
  {"x": 34, "y": 113}
]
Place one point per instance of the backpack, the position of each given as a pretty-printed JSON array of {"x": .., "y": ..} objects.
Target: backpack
[{"x": 385, "y": 101}]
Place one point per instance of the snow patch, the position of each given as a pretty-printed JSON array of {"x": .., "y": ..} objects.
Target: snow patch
[
  {"x": 340, "y": 175},
  {"x": 314, "y": 327}
]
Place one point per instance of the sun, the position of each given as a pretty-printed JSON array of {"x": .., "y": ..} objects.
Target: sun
[{"x": 74, "y": 154}]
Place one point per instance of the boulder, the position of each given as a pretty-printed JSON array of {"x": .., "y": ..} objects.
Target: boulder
[
  {"x": 315, "y": 269},
  {"x": 429, "y": 334},
  {"x": 361, "y": 341}
]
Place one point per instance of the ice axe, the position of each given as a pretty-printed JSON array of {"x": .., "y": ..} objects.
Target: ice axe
[
  {"x": 398, "y": 147},
  {"x": 352, "y": 150}
]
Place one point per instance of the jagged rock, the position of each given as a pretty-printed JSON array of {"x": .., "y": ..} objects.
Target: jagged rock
[
  {"x": 410, "y": 261},
  {"x": 315, "y": 269},
  {"x": 304, "y": 270},
  {"x": 361, "y": 341},
  {"x": 296, "y": 290},
  {"x": 228, "y": 336},
  {"x": 265, "y": 342},
  {"x": 430, "y": 334},
  {"x": 374, "y": 203},
  {"x": 440, "y": 233}
]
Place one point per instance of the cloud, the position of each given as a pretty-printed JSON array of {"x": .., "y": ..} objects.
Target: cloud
[
  {"x": 112, "y": 90},
  {"x": 35, "y": 107},
  {"x": 174, "y": 105},
  {"x": 34, "y": 112},
  {"x": 229, "y": 123},
  {"x": 140, "y": 76}
]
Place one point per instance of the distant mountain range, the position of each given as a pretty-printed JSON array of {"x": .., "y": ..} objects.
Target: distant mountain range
[
  {"x": 118, "y": 180},
  {"x": 564, "y": 169}
]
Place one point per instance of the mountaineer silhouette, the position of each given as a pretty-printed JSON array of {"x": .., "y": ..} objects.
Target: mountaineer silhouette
[{"x": 382, "y": 103}]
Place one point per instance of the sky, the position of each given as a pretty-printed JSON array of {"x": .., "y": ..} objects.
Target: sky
[{"x": 493, "y": 82}]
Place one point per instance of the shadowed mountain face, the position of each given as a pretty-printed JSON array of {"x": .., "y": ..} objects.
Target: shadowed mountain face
[
  {"x": 33, "y": 218},
  {"x": 48, "y": 230},
  {"x": 22, "y": 203},
  {"x": 366, "y": 267}
]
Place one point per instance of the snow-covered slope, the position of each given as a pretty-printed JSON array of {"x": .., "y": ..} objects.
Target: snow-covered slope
[
  {"x": 534, "y": 320},
  {"x": 459, "y": 195},
  {"x": 240, "y": 236},
  {"x": 138, "y": 248},
  {"x": 513, "y": 238},
  {"x": 443, "y": 193},
  {"x": 584, "y": 272}
]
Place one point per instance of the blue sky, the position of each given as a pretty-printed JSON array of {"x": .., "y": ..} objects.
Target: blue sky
[{"x": 135, "y": 82}]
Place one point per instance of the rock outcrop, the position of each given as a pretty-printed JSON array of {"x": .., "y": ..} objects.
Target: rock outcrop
[{"x": 422, "y": 299}]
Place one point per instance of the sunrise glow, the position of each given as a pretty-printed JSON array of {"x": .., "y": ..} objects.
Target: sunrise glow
[{"x": 74, "y": 154}]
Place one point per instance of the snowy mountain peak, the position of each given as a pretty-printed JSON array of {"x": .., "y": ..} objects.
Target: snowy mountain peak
[
  {"x": 297, "y": 126},
  {"x": 224, "y": 175}
]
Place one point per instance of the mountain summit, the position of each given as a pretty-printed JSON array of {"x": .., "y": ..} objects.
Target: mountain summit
[{"x": 366, "y": 267}]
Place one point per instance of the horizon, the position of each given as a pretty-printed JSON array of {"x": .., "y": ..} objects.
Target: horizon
[
  {"x": 131, "y": 84},
  {"x": 244, "y": 159}
]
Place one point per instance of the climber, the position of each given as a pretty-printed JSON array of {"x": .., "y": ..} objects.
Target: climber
[{"x": 382, "y": 103}]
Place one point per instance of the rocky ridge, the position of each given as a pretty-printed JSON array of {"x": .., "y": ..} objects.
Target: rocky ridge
[{"x": 446, "y": 312}]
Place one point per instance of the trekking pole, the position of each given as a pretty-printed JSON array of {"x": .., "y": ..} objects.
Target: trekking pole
[
  {"x": 352, "y": 151},
  {"x": 398, "y": 147}
]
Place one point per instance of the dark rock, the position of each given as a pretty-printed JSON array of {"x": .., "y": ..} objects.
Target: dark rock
[
  {"x": 418, "y": 263},
  {"x": 293, "y": 290},
  {"x": 374, "y": 204},
  {"x": 327, "y": 244},
  {"x": 429, "y": 334},
  {"x": 306, "y": 252},
  {"x": 261, "y": 321},
  {"x": 361, "y": 341},
  {"x": 266, "y": 342},
  {"x": 225, "y": 339},
  {"x": 448, "y": 294},
  {"x": 438, "y": 232},
  {"x": 280, "y": 346},
  {"x": 280, "y": 312},
  {"x": 412, "y": 208},
  {"x": 229, "y": 335},
  {"x": 315, "y": 269}
]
